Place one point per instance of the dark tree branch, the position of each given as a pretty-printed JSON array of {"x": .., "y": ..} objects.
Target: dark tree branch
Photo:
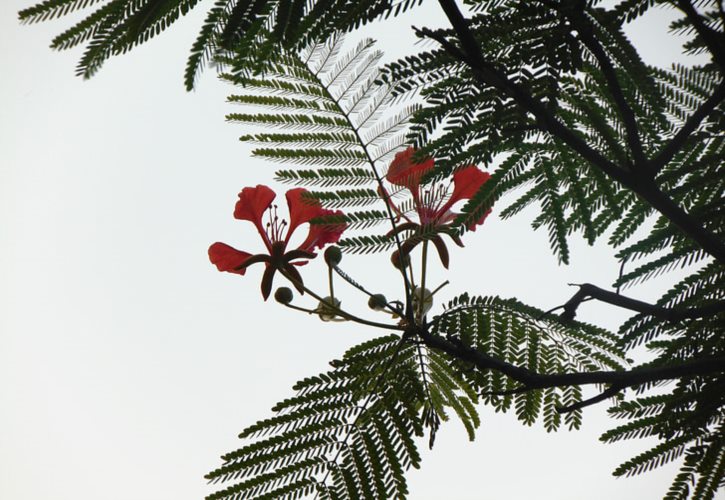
[
  {"x": 588, "y": 291},
  {"x": 711, "y": 243},
  {"x": 615, "y": 89},
  {"x": 612, "y": 391},
  {"x": 713, "y": 40},
  {"x": 585, "y": 30},
  {"x": 644, "y": 186},
  {"x": 533, "y": 380},
  {"x": 487, "y": 74},
  {"x": 675, "y": 144}
]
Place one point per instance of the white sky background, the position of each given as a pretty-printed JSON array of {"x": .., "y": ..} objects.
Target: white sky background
[{"x": 128, "y": 364}]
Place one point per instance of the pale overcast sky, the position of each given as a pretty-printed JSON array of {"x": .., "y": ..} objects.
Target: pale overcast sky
[{"x": 128, "y": 364}]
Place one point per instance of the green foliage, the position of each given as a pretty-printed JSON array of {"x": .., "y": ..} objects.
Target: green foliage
[
  {"x": 366, "y": 244},
  {"x": 464, "y": 121},
  {"x": 524, "y": 336},
  {"x": 362, "y": 219},
  {"x": 50, "y": 9},
  {"x": 350, "y": 432},
  {"x": 113, "y": 28},
  {"x": 688, "y": 419},
  {"x": 326, "y": 177},
  {"x": 348, "y": 129},
  {"x": 262, "y": 30}
]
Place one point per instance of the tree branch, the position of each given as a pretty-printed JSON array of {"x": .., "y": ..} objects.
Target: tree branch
[
  {"x": 487, "y": 74},
  {"x": 533, "y": 380},
  {"x": 712, "y": 39},
  {"x": 644, "y": 186},
  {"x": 675, "y": 144},
  {"x": 585, "y": 30},
  {"x": 612, "y": 391},
  {"x": 587, "y": 291}
]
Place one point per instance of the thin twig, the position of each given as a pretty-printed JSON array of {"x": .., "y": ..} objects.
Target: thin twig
[
  {"x": 610, "y": 392},
  {"x": 357, "y": 285},
  {"x": 619, "y": 276},
  {"x": 333, "y": 308},
  {"x": 534, "y": 380},
  {"x": 585, "y": 31},
  {"x": 587, "y": 291}
]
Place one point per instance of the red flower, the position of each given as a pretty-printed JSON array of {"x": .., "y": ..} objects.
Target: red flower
[
  {"x": 432, "y": 203},
  {"x": 403, "y": 172},
  {"x": 253, "y": 203}
]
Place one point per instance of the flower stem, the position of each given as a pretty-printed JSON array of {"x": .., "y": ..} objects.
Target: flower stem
[
  {"x": 358, "y": 286},
  {"x": 378, "y": 178},
  {"x": 339, "y": 311},
  {"x": 412, "y": 276},
  {"x": 329, "y": 280},
  {"x": 298, "y": 308},
  {"x": 446, "y": 282},
  {"x": 423, "y": 266}
]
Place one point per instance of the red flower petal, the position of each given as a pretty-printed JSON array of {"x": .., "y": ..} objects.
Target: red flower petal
[
  {"x": 403, "y": 172},
  {"x": 228, "y": 259},
  {"x": 466, "y": 183},
  {"x": 301, "y": 209},
  {"x": 322, "y": 234},
  {"x": 253, "y": 201},
  {"x": 472, "y": 226}
]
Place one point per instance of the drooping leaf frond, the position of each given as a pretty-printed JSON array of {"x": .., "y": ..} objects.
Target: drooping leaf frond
[
  {"x": 349, "y": 432},
  {"x": 262, "y": 29},
  {"x": 50, "y": 9}
]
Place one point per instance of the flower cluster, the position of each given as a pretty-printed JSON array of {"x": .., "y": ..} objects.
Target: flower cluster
[
  {"x": 253, "y": 203},
  {"x": 425, "y": 217},
  {"x": 431, "y": 203}
]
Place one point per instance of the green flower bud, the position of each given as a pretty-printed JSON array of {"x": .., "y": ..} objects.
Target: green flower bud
[
  {"x": 283, "y": 295},
  {"x": 333, "y": 256},
  {"x": 377, "y": 302},
  {"x": 424, "y": 295},
  {"x": 326, "y": 312}
]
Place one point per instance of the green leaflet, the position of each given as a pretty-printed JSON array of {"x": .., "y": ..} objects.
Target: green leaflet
[
  {"x": 349, "y": 432},
  {"x": 50, "y": 9},
  {"x": 326, "y": 177},
  {"x": 525, "y": 336},
  {"x": 345, "y": 128},
  {"x": 262, "y": 30}
]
